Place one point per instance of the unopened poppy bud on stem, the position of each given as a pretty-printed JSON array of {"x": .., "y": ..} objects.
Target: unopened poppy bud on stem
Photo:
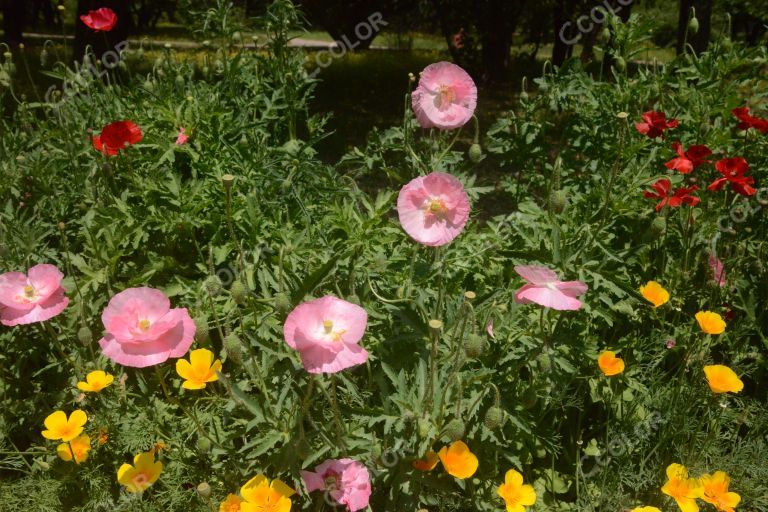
[
  {"x": 693, "y": 26},
  {"x": 239, "y": 292},
  {"x": 455, "y": 430},
  {"x": 494, "y": 418},
  {"x": 234, "y": 348},
  {"x": 202, "y": 331},
  {"x": 473, "y": 346},
  {"x": 475, "y": 153},
  {"x": 85, "y": 336},
  {"x": 213, "y": 285}
]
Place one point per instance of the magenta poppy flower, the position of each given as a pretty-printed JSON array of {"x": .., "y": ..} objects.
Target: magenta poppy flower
[
  {"x": 718, "y": 271},
  {"x": 345, "y": 480},
  {"x": 142, "y": 330},
  {"x": 445, "y": 98},
  {"x": 654, "y": 124},
  {"x": 545, "y": 289},
  {"x": 326, "y": 333},
  {"x": 100, "y": 20},
  {"x": 32, "y": 297},
  {"x": 689, "y": 160},
  {"x": 433, "y": 209},
  {"x": 734, "y": 171},
  {"x": 663, "y": 191}
]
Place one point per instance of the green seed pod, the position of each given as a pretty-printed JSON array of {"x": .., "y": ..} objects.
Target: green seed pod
[
  {"x": 239, "y": 292},
  {"x": 203, "y": 444},
  {"x": 234, "y": 348},
  {"x": 475, "y": 153},
  {"x": 202, "y": 331},
  {"x": 693, "y": 26},
  {"x": 85, "y": 336},
  {"x": 213, "y": 285},
  {"x": 424, "y": 427},
  {"x": 558, "y": 202},
  {"x": 282, "y": 303},
  {"x": 620, "y": 64},
  {"x": 455, "y": 429},
  {"x": 473, "y": 346},
  {"x": 494, "y": 417},
  {"x": 204, "y": 490}
]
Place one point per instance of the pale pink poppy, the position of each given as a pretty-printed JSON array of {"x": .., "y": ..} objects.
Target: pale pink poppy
[
  {"x": 718, "y": 271},
  {"x": 326, "y": 333},
  {"x": 433, "y": 209},
  {"x": 32, "y": 297},
  {"x": 182, "y": 138},
  {"x": 545, "y": 289},
  {"x": 489, "y": 328},
  {"x": 445, "y": 98},
  {"x": 142, "y": 329},
  {"x": 345, "y": 480}
]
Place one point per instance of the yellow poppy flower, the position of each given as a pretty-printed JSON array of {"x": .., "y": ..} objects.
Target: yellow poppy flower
[
  {"x": 199, "y": 370},
  {"x": 716, "y": 491},
  {"x": 142, "y": 474},
  {"x": 710, "y": 323},
  {"x": 231, "y": 504},
  {"x": 609, "y": 364},
  {"x": 96, "y": 381},
  {"x": 458, "y": 461},
  {"x": 654, "y": 293},
  {"x": 722, "y": 379},
  {"x": 682, "y": 489},
  {"x": 645, "y": 509},
  {"x": 428, "y": 463},
  {"x": 61, "y": 428},
  {"x": 79, "y": 446},
  {"x": 262, "y": 496},
  {"x": 515, "y": 494}
]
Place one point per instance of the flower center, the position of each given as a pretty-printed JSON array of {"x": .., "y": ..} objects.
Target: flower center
[
  {"x": 436, "y": 207},
  {"x": 445, "y": 97},
  {"x": 328, "y": 331},
  {"x": 29, "y": 292},
  {"x": 144, "y": 325}
]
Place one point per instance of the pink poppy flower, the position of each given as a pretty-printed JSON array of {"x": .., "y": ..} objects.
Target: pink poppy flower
[
  {"x": 326, "y": 333},
  {"x": 445, "y": 98},
  {"x": 100, "y": 20},
  {"x": 687, "y": 161},
  {"x": 345, "y": 480},
  {"x": 489, "y": 329},
  {"x": 182, "y": 137},
  {"x": 545, "y": 289},
  {"x": 32, "y": 297},
  {"x": 654, "y": 124},
  {"x": 718, "y": 271},
  {"x": 143, "y": 330},
  {"x": 433, "y": 209}
]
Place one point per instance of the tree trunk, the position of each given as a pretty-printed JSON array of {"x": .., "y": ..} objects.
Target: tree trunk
[
  {"x": 102, "y": 42},
  {"x": 700, "y": 40},
  {"x": 562, "y": 14},
  {"x": 13, "y": 21}
]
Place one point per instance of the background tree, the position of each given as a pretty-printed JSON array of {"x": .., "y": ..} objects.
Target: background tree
[{"x": 13, "y": 21}]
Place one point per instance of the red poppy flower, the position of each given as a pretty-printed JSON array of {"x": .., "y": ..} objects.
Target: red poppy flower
[
  {"x": 747, "y": 121},
  {"x": 681, "y": 196},
  {"x": 655, "y": 124},
  {"x": 687, "y": 161},
  {"x": 733, "y": 171},
  {"x": 100, "y": 20},
  {"x": 117, "y": 136}
]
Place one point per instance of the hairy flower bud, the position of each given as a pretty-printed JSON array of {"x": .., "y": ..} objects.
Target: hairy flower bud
[
  {"x": 558, "y": 202},
  {"x": 475, "y": 153},
  {"x": 234, "y": 348},
  {"x": 203, "y": 444},
  {"x": 455, "y": 429},
  {"x": 85, "y": 336},
  {"x": 424, "y": 427},
  {"x": 693, "y": 26},
  {"x": 213, "y": 285},
  {"x": 202, "y": 332},
  {"x": 239, "y": 292},
  {"x": 473, "y": 346},
  {"x": 282, "y": 303},
  {"x": 494, "y": 417}
]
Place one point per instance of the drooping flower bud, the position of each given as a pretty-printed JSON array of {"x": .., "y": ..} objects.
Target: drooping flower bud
[
  {"x": 620, "y": 64},
  {"x": 494, "y": 417},
  {"x": 234, "y": 348},
  {"x": 455, "y": 430},
  {"x": 473, "y": 346},
  {"x": 693, "y": 26},
  {"x": 202, "y": 332},
  {"x": 85, "y": 336},
  {"x": 213, "y": 285},
  {"x": 475, "y": 153},
  {"x": 658, "y": 227},
  {"x": 239, "y": 292}
]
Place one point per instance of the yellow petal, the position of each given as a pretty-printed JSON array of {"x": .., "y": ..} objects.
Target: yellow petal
[
  {"x": 78, "y": 418},
  {"x": 282, "y": 488},
  {"x": 201, "y": 359},
  {"x": 56, "y": 421},
  {"x": 184, "y": 369},
  {"x": 513, "y": 478},
  {"x": 193, "y": 384},
  {"x": 84, "y": 386}
]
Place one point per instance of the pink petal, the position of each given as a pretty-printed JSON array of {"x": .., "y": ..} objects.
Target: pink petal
[
  {"x": 40, "y": 312},
  {"x": 536, "y": 274},
  {"x": 547, "y": 297}
]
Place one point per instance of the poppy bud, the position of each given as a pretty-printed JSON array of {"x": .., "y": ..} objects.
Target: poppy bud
[
  {"x": 239, "y": 292},
  {"x": 558, "y": 202},
  {"x": 529, "y": 398},
  {"x": 44, "y": 58},
  {"x": 475, "y": 153},
  {"x": 85, "y": 336},
  {"x": 180, "y": 81},
  {"x": 544, "y": 361},
  {"x": 201, "y": 329},
  {"x": 658, "y": 227},
  {"x": 7, "y": 55},
  {"x": 620, "y": 64},
  {"x": 524, "y": 95},
  {"x": 149, "y": 85},
  {"x": 693, "y": 26},
  {"x": 234, "y": 348},
  {"x": 727, "y": 44},
  {"x": 605, "y": 35},
  {"x": 213, "y": 285},
  {"x": 237, "y": 36},
  {"x": 204, "y": 490},
  {"x": 282, "y": 303},
  {"x": 43, "y": 465},
  {"x": 218, "y": 67},
  {"x": 473, "y": 346},
  {"x": 376, "y": 450},
  {"x": 494, "y": 417},
  {"x": 455, "y": 429},
  {"x": 424, "y": 427},
  {"x": 203, "y": 444}
]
